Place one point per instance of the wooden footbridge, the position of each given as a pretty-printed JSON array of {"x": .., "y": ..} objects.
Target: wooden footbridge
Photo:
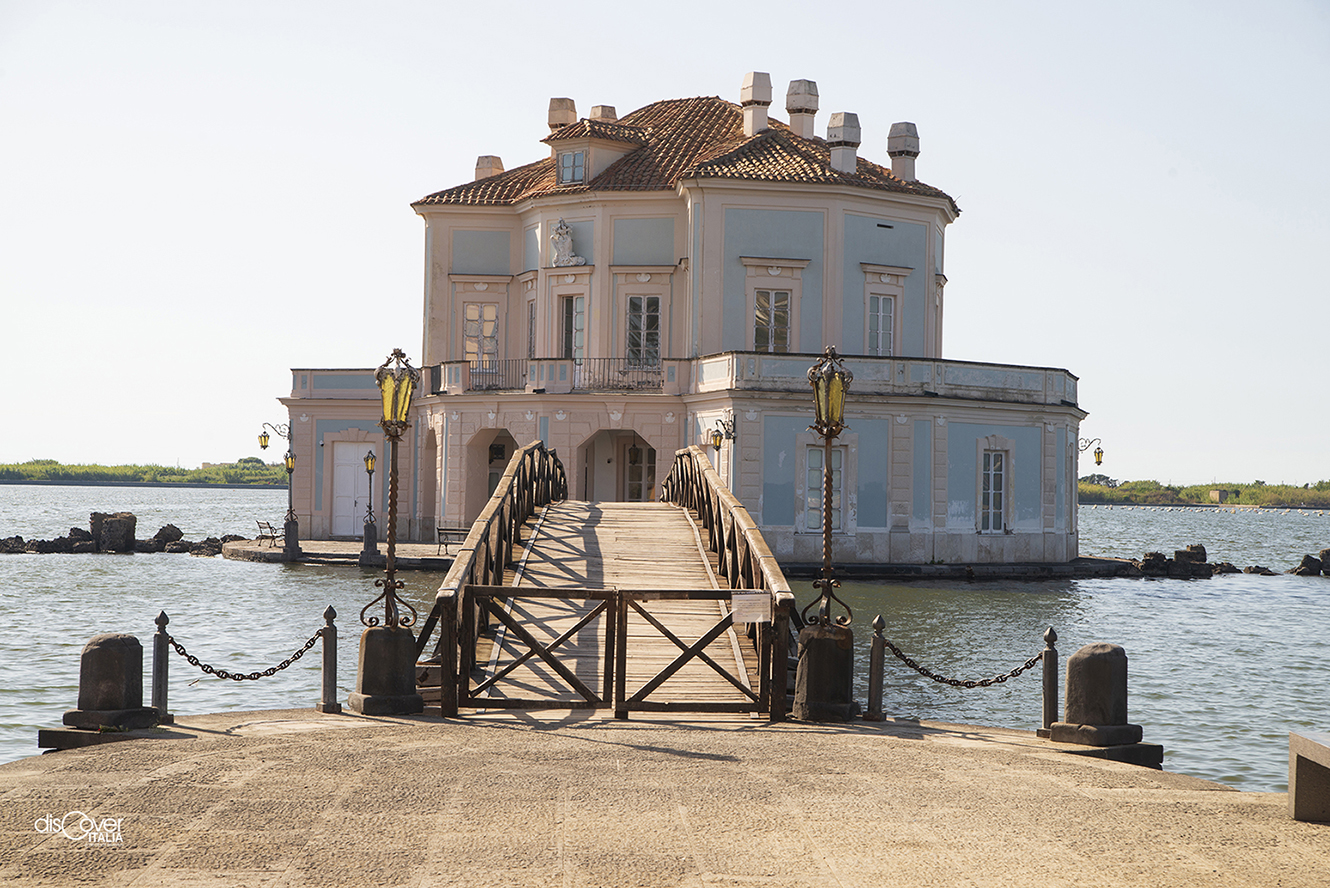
[{"x": 675, "y": 606}]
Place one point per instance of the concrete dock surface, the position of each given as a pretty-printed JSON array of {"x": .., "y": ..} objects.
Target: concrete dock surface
[{"x": 294, "y": 797}]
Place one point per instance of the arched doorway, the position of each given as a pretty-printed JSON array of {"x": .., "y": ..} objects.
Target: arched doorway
[
  {"x": 487, "y": 456},
  {"x": 618, "y": 465},
  {"x": 429, "y": 486}
]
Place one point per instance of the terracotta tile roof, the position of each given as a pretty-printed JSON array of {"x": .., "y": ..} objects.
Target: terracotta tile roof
[
  {"x": 613, "y": 131},
  {"x": 682, "y": 138}
]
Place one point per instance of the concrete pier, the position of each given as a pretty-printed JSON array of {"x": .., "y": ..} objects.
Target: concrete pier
[{"x": 297, "y": 798}]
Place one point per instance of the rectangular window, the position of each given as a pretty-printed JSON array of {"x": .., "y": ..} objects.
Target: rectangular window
[
  {"x": 481, "y": 331},
  {"x": 814, "y": 487},
  {"x": 574, "y": 327},
  {"x": 771, "y": 326},
  {"x": 531, "y": 330},
  {"x": 572, "y": 167},
  {"x": 644, "y": 331},
  {"x": 993, "y": 487},
  {"x": 881, "y": 325}
]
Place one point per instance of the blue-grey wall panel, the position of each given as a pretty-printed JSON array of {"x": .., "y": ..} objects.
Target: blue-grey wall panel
[
  {"x": 779, "y": 459},
  {"x": 778, "y": 234},
  {"x": 481, "y": 252},
  {"x": 922, "y": 482},
  {"x": 904, "y": 245},
  {"x": 1060, "y": 513},
  {"x": 963, "y": 473},
  {"x": 584, "y": 240},
  {"x": 873, "y": 463},
  {"x": 345, "y": 381},
  {"x": 644, "y": 241},
  {"x": 530, "y": 250}
]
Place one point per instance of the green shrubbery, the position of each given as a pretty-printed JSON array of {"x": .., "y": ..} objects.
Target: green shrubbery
[
  {"x": 249, "y": 470},
  {"x": 1099, "y": 489}
]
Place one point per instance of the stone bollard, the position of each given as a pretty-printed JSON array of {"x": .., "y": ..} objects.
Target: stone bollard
[
  {"x": 386, "y": 677},
  {"x": 369, "y": 549},
  {"x": 111, "y": 685},
  {"x": 824, "y": 683},
  {"x": 1096, "y": 713}
]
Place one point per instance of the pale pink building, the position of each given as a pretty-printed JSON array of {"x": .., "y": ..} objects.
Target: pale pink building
[{"x": 656, "y": 276}]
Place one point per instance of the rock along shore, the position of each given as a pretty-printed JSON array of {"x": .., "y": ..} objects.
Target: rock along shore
[{"x": 116, "y": 532}]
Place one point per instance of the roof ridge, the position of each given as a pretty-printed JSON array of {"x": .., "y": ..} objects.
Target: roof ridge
[{"x": 697, "y": 136}]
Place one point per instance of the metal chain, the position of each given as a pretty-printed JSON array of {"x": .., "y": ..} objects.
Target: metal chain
[
  {"x": 959, "y": 683},
  {"x": 236, "y": 676}
]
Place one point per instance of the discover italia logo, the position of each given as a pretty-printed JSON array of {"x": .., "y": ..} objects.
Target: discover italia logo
[{"x": 79, "y": 827}]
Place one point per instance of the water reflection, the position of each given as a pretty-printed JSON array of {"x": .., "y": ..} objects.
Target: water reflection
[{"x": 1220, "y": 670}]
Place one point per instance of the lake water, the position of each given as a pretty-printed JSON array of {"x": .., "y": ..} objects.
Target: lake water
[{"x": 1220, "y": 669}]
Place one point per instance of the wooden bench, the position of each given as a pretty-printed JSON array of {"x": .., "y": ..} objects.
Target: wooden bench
[
  {"x": 450, "y": 536},
  {"x": 1309, "y": 776},
  {"x": 266, "y": 532}
]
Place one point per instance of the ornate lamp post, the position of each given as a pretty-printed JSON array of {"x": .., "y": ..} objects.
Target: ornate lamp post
[
  {"x": 830, "y": 381},
  {"x": 824, "y": 684},
  {"x": 1084, "y": 444},
  {"x": 386, "y": 682},
  {"x": 291, "y": 530},
  {"x": 370, "y": 547}
]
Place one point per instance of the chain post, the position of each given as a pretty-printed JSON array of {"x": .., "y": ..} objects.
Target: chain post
[
  {"x": 1050, "y": 655},
  {"x": 161, "y": 669},
  {"x": 876, "y": 667},
  {"x": 329, "y": 632}
]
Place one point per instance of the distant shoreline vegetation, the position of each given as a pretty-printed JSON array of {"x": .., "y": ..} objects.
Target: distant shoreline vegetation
[
  {"x": 1100, "y": 489},
  {"x": 249, "y": 471}
]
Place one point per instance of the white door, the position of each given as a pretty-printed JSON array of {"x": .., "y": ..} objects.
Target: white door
[{"x": 350, "y": 489}]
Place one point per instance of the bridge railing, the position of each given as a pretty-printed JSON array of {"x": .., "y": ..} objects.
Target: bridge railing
[
  {"x": 534, "y": 477},
  {"x": 743, "y": 556}
]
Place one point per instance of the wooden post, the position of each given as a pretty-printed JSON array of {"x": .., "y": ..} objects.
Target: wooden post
[
  {"x": 448, "y": 656},
  {"x": 780, "y": 656},
  {"x": 611, "y": 643},
  {"x": 467, "y": 647},
  {"x": 621, "y": 659},
  {"x": 329, "y": 633},
  {"x": 1050, "y": 678}
]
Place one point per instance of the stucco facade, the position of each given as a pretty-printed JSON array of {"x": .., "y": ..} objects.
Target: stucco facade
[{"x": 679, "y": 269}]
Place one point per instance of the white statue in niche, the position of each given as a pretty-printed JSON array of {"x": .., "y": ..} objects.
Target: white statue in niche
[{"x": 562, "y": 243}]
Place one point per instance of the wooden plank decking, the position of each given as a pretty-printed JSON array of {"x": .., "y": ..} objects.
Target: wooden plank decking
[{"x": 627, "y": 546}]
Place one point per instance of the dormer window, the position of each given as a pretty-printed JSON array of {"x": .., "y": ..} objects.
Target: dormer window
[{"x": 572, "y": 167}]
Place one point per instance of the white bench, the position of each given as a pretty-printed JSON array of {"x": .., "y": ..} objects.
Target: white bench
[{"x": 1309, "y": 776}]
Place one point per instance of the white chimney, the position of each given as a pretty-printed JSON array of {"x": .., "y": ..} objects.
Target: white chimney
[
  {"x": 562, "y": 113},
  {"x": 755, "y": 97},
  {"x": 903, "y": 147},
  {"x": 488, "y": 165},
  {"x": 603, "y": 112},
  {"x": 801, "y": 105},
  {"x": 843, "y": 140}
]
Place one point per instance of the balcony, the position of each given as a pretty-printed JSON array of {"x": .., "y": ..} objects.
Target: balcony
[
  {"x": 728, "y": 371},
  {"x": 558, "y": 376},
  {"x": 919, "y": 377}
]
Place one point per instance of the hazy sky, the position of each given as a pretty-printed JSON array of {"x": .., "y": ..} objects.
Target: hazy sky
[{"x": 196, "y": 197}]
